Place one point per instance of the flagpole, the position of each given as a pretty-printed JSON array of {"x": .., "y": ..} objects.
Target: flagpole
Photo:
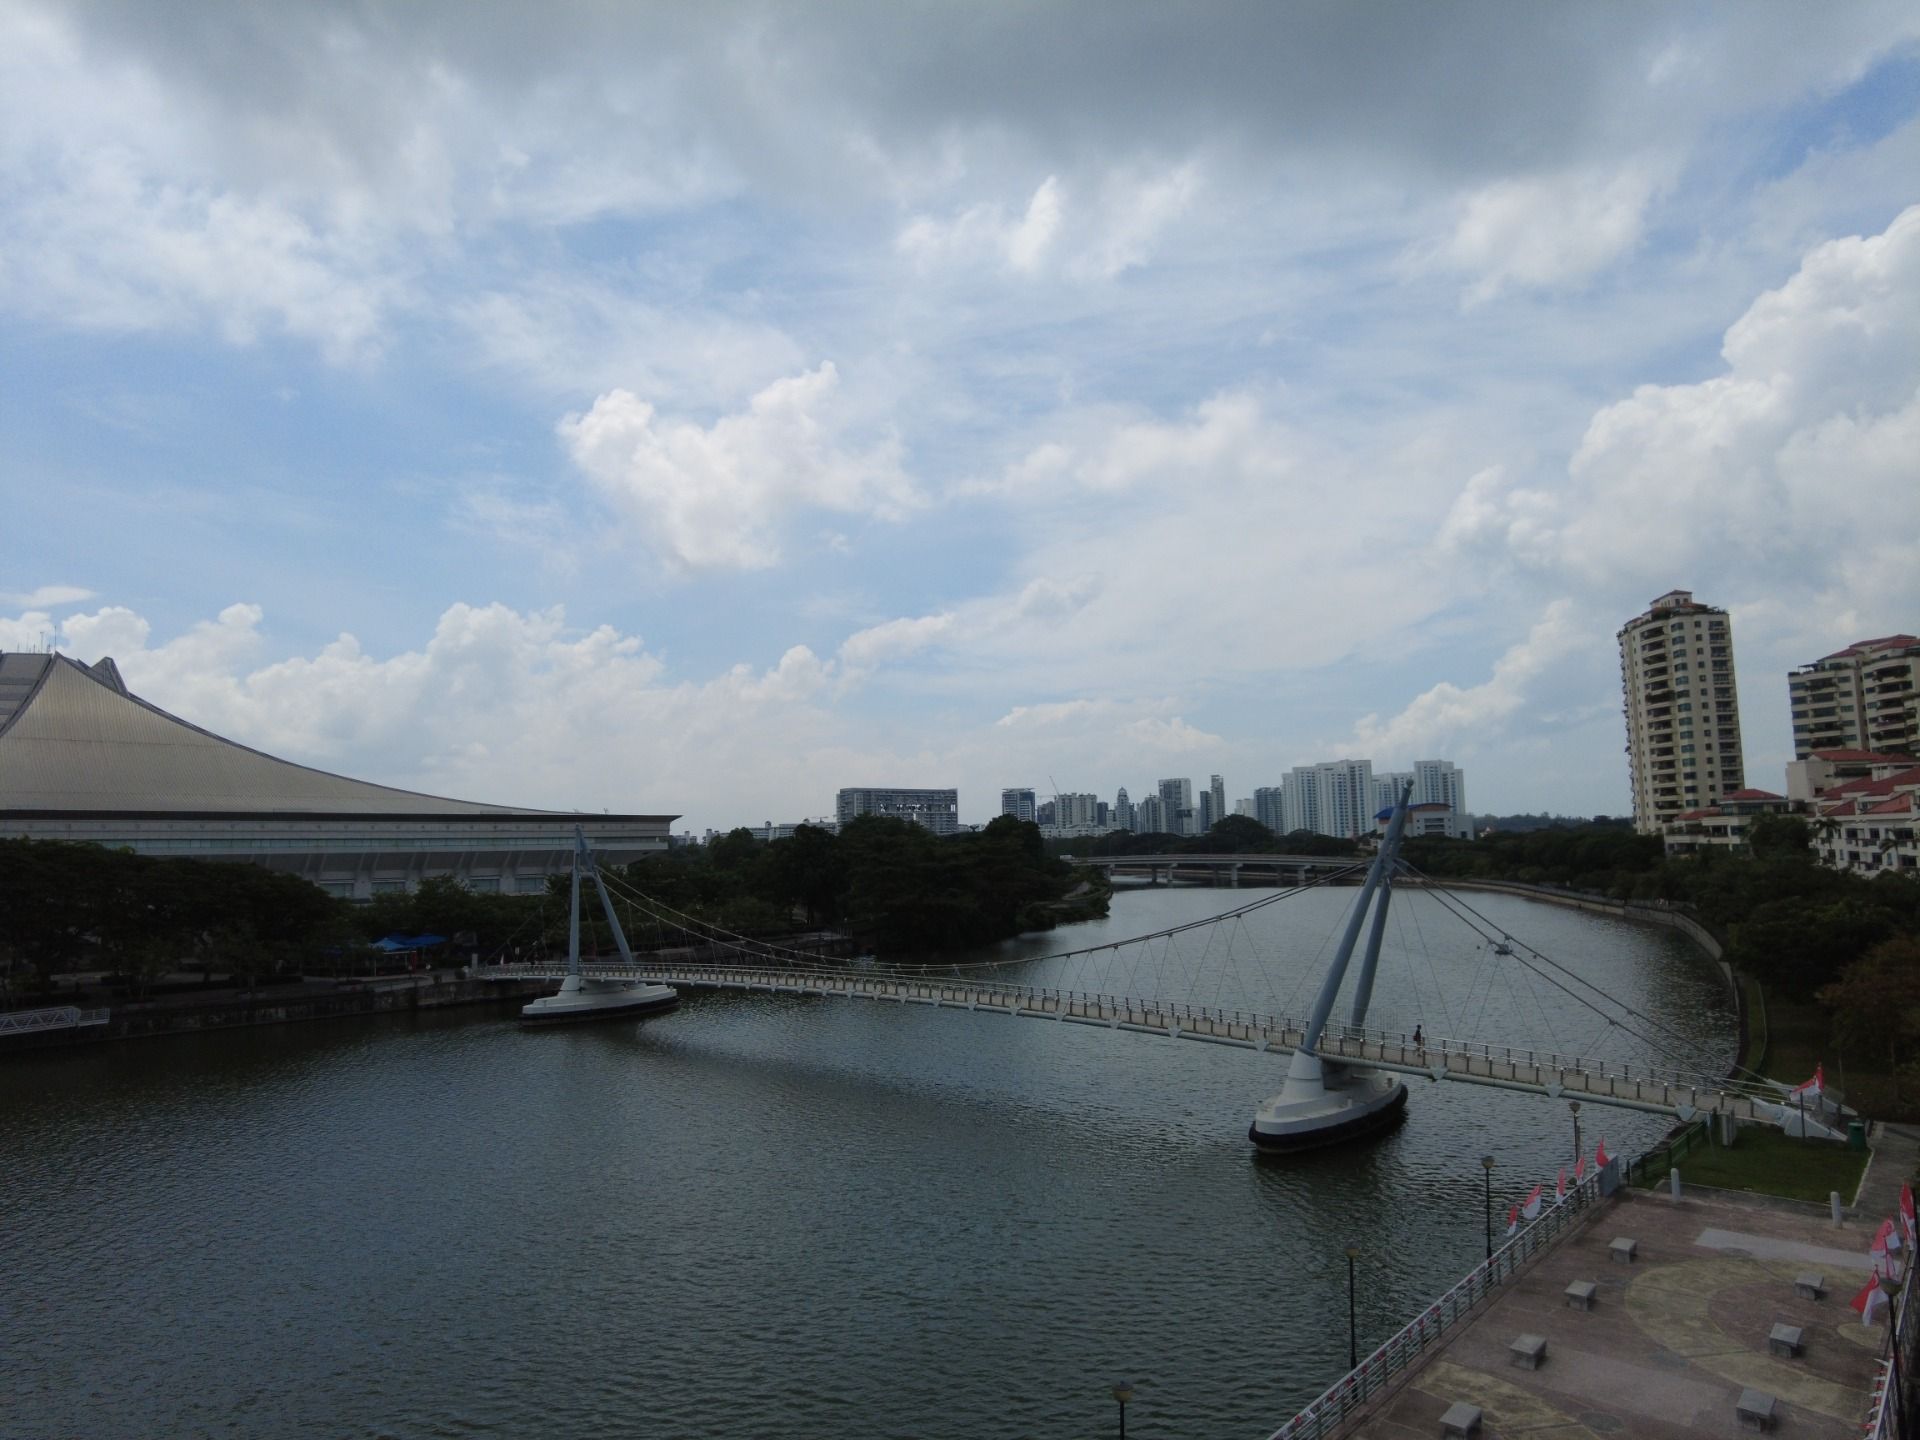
[
  {"x": 1486, "y": 1164},
  {"x": 1887, "y": 1288}
]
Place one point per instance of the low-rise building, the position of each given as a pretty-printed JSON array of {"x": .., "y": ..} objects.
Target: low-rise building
[
  {"x": 1870, "y": 824},
  {"x": 82, "y": 758},
  {"x": 1723, "y": 825}
]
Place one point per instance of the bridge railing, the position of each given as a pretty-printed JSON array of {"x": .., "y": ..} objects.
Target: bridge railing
[
  {"x": 1883, "y": 1407},
  {"x": 1394, "y": 1047},
  {"x": 52, "y": 1017},
  {"x": 1332, "y": 1408}
]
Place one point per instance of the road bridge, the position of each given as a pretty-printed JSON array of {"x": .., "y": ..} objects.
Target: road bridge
[{"x": 1230, "y": 870}]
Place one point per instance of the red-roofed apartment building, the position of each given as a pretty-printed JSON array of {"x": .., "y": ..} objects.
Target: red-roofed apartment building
[
  {"x": 1863, "y": 698},
  {"x": 1723, "y": 825},
  {"x": 1870, "y": 822}
]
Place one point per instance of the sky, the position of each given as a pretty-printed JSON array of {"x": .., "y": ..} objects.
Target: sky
[{"x": 696, "y": 409}]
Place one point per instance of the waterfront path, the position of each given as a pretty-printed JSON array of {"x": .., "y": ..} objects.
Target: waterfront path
[{"x": 1671, "y": 1340}]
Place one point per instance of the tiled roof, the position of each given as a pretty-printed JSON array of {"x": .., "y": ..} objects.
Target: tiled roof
[
  {"x": 1898, "y": 805},
  {"x": 1856, "y": 757},
  {"x": 1753, "y": 795},
  {"x": 1866, "y": 647}
]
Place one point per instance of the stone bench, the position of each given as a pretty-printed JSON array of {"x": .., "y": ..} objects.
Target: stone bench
[
  {"x": 1809, "y": 1286},
  {"x": 1461, "y": 1419},
  {"x": 1622, "y": 1250},
  {"x": 1580, "y": 1294},
  {"x": 1785, "y": 1340},
  {"x": 1756, "y": 1410},
  {"x": 1527, "y": 1350}
]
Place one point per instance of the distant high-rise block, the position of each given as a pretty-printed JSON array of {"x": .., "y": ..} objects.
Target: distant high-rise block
[
  {"x": 1865, "y": 697},
  {"x": 935, "y": 810},
  {"x": 1270, "y": 809},
  {"x": 1335, "y": 797},
  {"x": 1176, "y": 803},
  {"x": 1682, "y": 709},
  {"x": 1018, "y": 803},
  {"x": 1219, "y": 789},
  {"x": 1123, "y": 816}
]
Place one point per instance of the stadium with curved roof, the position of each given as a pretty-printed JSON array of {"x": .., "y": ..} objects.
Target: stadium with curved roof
[{"x": 84, "y": 759}]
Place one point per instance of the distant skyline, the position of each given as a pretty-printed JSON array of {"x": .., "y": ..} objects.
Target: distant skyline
[{"x": 697, "y": 410}]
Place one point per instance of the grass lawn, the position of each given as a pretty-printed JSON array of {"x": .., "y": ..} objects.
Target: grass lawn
[{"x": 1763, "y": 1159}]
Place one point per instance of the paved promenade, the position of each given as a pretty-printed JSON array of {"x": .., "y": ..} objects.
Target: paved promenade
[{"x": 1672, "y": 1339}]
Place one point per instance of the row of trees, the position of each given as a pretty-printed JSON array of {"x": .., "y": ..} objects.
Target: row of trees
[
  {"x": 1847, "y": 942},
  {"x": 897, "y": 887}
]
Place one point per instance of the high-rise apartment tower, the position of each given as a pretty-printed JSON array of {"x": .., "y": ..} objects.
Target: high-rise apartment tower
[
  {"x": 1865, "y": 697},
  {"x": 1682, "y": 709}
]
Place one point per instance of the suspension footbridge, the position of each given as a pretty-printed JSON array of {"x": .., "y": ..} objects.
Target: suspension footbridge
[{"x": 1342, "y": 1063}]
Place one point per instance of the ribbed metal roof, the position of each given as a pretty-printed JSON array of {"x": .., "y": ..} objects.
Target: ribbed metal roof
[{"x": 73, "y": 739}]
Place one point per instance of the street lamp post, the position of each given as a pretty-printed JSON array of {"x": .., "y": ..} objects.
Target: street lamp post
[
  {"x": 1574, "y": 1106},
  {"x": 1123, "y": 1392},
  {"x": 1353, "y": 1346},
  {"x": 1486, "y": 1164}
]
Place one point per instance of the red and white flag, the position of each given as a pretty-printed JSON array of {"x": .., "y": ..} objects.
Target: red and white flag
[
  {"x": 1871, "y": 1300},
  {"x": 1906, "y": 1214},
  {"x": 1560, "y": 1188},
  {"x": 1812, "y": 1088},
  {"x": 1513, "y": 1222},
  {"x": 1579, "y": 1168},
  {"x": 1600, "y": 1156},
  {"x": 1886, "y": 1242},
  {"x": 1530, "y": 1207}
]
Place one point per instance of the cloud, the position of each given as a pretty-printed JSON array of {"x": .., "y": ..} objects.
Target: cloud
[
  {"x": 714, "y": 498},
  {"x": 498, "y": 705},
  {"x": 1790, "y": 472},
  {"x": 986, "y": 234},
  {"x": 1546, "y": 232},
  {"x": 894, "y": 640},
  {"x": 572, "y": 333},
  {"x": 1447, "y": 717},
  {"x": 1117, "y": 229},
  {"x": 45, "y": 595},
  {"x": 1796, "y": 462}
]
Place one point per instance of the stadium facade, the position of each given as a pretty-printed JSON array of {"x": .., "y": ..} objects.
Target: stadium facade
[{"x": 84, "y": 759}]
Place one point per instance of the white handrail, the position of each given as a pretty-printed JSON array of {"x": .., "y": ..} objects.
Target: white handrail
[{"x": 1332, "y": 1408}]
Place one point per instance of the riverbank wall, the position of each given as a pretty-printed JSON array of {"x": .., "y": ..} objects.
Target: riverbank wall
[{"x": 280, "y": 1005}]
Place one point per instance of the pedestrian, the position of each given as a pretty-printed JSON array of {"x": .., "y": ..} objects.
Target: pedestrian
[{"x": 1418, "y": 1043}]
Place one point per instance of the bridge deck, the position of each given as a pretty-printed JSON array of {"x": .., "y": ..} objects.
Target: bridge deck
[{"x": 1508, "y": 1067}]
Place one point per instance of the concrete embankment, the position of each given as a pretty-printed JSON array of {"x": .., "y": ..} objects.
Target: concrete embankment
[{"x": 281, "y": 1005}]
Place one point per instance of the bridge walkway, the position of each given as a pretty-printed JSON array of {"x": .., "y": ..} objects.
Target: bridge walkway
[{"x": 1511, "y": 1067}]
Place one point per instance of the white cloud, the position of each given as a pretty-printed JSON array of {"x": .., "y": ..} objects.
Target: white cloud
[
  {"x": 1798, "y": 462},
  {"x": 48, "y": 595},
  {"x": 1117, "y": 229},
  {"x": 1545, "y": 232},
  {"x": 1448, "y": 717},
  {"x": 986, "y": 234},
  {"x": 574, "y": 334},
  {"x": 498, "y": 705},
  {"x": 716, "y": 497},
  {"x": 1172, "y": 736},
  {"x": 893, "y": 640}
]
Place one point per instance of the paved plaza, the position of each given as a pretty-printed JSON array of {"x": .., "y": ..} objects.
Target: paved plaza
[{"x": 1671, "y": 1340}]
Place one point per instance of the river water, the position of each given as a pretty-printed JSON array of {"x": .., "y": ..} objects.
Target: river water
[{"x": 774, "y": 1216}]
